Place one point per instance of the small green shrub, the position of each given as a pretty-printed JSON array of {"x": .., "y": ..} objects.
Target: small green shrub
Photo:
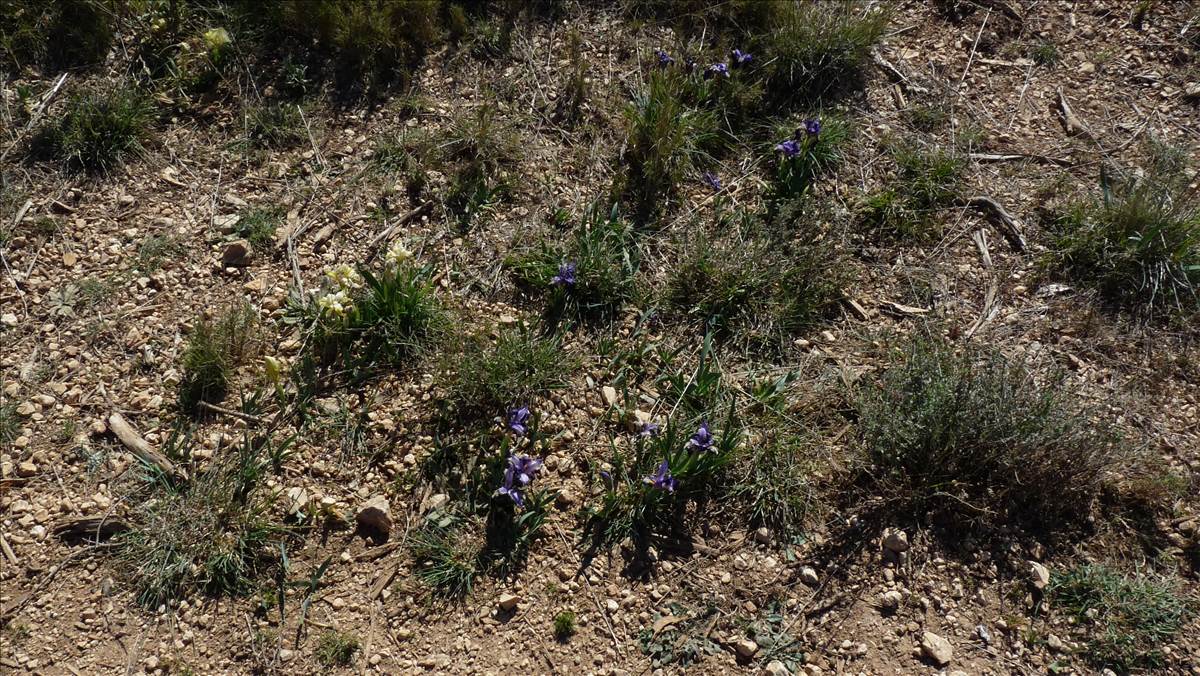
[
  {"x": 491, "y": 375},
  {"x": 775, "y": 484},
  {"x": 211, "y": 535},
  {"x": 447, "y": 555},
  {"x": 213, "y": 350},
  {"x": 479, "y": 151},
  {"x": 1139, "y": 247},
  {"x": 755, "y": 289},
  {"x": 818, "y": 50},
  {"x": 274, "y": 125},
  {"x": 564, "y": 625},
  {"x": 605, "y": 254},
  {"x": 1045, "y": 54},
  {"x": 666, "y": 141},
  {"x": 976, "y": 431},
  {"x": 98, "y": 130},
  {"x": 257, "y": 225},
  {"x": 406, "y": 155},
  {"x": 58, "y": 35},
  {"x": 1134, "y": 615},
  {"x": 336, "y": 649},
  {"x": 926, "y": 182},
  {"x": 158, "y": 250}
]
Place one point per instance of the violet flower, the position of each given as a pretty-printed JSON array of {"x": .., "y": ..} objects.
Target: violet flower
[
  {"x": 808, "y": 128},
  {"x": 703, "y": 439},
  {"x": 662, "y": 479},
  {"x": 565, "y": 276},
  {"x": 790, "y": 148},
  {"x": 518, "y": 421},
  {"x": 664, "y": 59},
  {"x": 520, "y": 471},
  {"x": 741, "y": 58},
  {"x": 711, "y": 180},
  {"x": 648, "y": 430},
  {"x": 716, "y": 69}
]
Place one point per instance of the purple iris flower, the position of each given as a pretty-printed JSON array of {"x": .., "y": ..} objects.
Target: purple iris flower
[
  {"x": 790, "y": 148},
  {"x": 664, "y": 59},
  {"x": 716, "y": 69},
  {"x": 808, "y": 128},
  {"x": 648, "y": 430},
  {"x": 703, "y": 439},
  {"x": 741, "y": 58},
  {"x": 565, "y": 276},
  {"x": 711, "y": 180},
  {"x": 518, "y": 420},
  {"x": 662, "y": 479},
  {"x": 520, "y": 471}
]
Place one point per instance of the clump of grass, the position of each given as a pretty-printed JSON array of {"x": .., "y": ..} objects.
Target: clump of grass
[
  {"x": 58, "y": 35},
  {"x": 1139, "y": 246},
  {"x": 972, "y": 430},
  {"x": 775, "y": 485},
  {"x": 1045, "y": 54},
  {"x": 605, "y": 254},
  {"x": 257, "y": 225},
  {"x": 447, "y": 557},
  {"x": 818, "y": 154},
  {"x": 479, "y": 150},
  {"x": 818, "y": 50},
  {"x": 10, "y": 421},
  {"x": 666, "y": 141},
  {"x": 926, "y": 182},
  {"x": 156, "y": 250},
  {"x": 564, "y": 625},
  {"x": 273, "y": 125},
  {"x": 211, "y": 535},
  {"x": 1133, "y": 615},
  {"x": 98, "y": 130},
  {"x": 213, "y": 350},
  {"x": 373, "y": 44},
  {"x": 568, "y": 109},
  {"x": 336, "y": 649},
  {"x": 755, "y": 289},
  {"x": 518, "y": 365},
  {"x": 406, "y": 155}
]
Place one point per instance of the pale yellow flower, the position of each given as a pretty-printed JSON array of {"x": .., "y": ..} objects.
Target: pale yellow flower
[{"x": 345, "y": 277}]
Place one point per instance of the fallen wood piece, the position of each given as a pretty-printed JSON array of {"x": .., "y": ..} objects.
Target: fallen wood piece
[
  {"x": 1008, "y": 224},
  {"x": 1071, "y": 122},
  {"x": 383, "y": 581},
  {"x": 141, "y": 448},
  {"x": 1004, "y": 8},
  {"x": 21, "y": 212},
  {"x": 230, "y": 412},
  {"x": 1011, "y": 157},
  {"x": 989, "y": 309},
  {"x": 897, "y": 76},
  {"x": 89, "y": 529},
  {"x": 387, "y": 232},
  {"x": 856, "y": 309},
  {"x": 8, "y": 552},
  {"x": 980, "y": 239},
  {"x": 892, "y": 307}
]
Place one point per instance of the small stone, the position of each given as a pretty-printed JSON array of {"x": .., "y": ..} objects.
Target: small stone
[
  {"x": 895, "y": 540},
  {"x": 70, "y": 258},
  {"x": 746, "y": 648},
  {"x": 1087, "y": 68},
  {"x": 610, "y": 395},
  {"x": 776, "y": 668},
  {"x": 286, "y": 655},
  {"x": 763, "y": 535},
  {"x": 1039, "y": 575},
  {"x": 564, "y": 499},
  {"x": 237, "y": 254},
  {"x": 151, "y": 663},
  {"x": 256, "y": 285},
  {"x": 8, "y": 319},
  {"x": 936, "y": 648},
  {"x": 508, "y": 602},
  {"x": 225, "y": 223},
  {"x": 1056, "y": 644},
  {"x": 611, "y": 606},
  {"x": 297, "y": 500},
  {"x": 27, "y": 469},
  {"x": 374, "y": 520},
  {"x": 809, "y": 576},
  {"x": 1191, "y": 90},
  {"x": 435, "y": 501},
  {"x": 891, "y": 600}
]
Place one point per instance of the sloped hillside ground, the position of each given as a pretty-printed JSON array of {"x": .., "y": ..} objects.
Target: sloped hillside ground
[{"x": 394, "y": 338}]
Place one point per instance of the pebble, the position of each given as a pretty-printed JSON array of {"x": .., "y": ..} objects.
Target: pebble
[
  {"x": 746, "y": 648},
  {"x": 809, "y": 576},
  {"x": 508, "y": 602},
  {"x": 936, "y": 648},
  {"x": 1039, "y": 575},
  {"x": 895, "y": 540}
]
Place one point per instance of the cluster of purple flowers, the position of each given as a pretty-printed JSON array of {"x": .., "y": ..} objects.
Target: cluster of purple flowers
[
  {"x": 711, "y": 180},
  {"x": 737, "y": 59},
  {"x": 518, "y": 421},
  {"x": 565, "y": 276},
  {"x": 520, "y": 472},
  {"x": 809, "y": 131},
  {"x": 702, "y": 441}
]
